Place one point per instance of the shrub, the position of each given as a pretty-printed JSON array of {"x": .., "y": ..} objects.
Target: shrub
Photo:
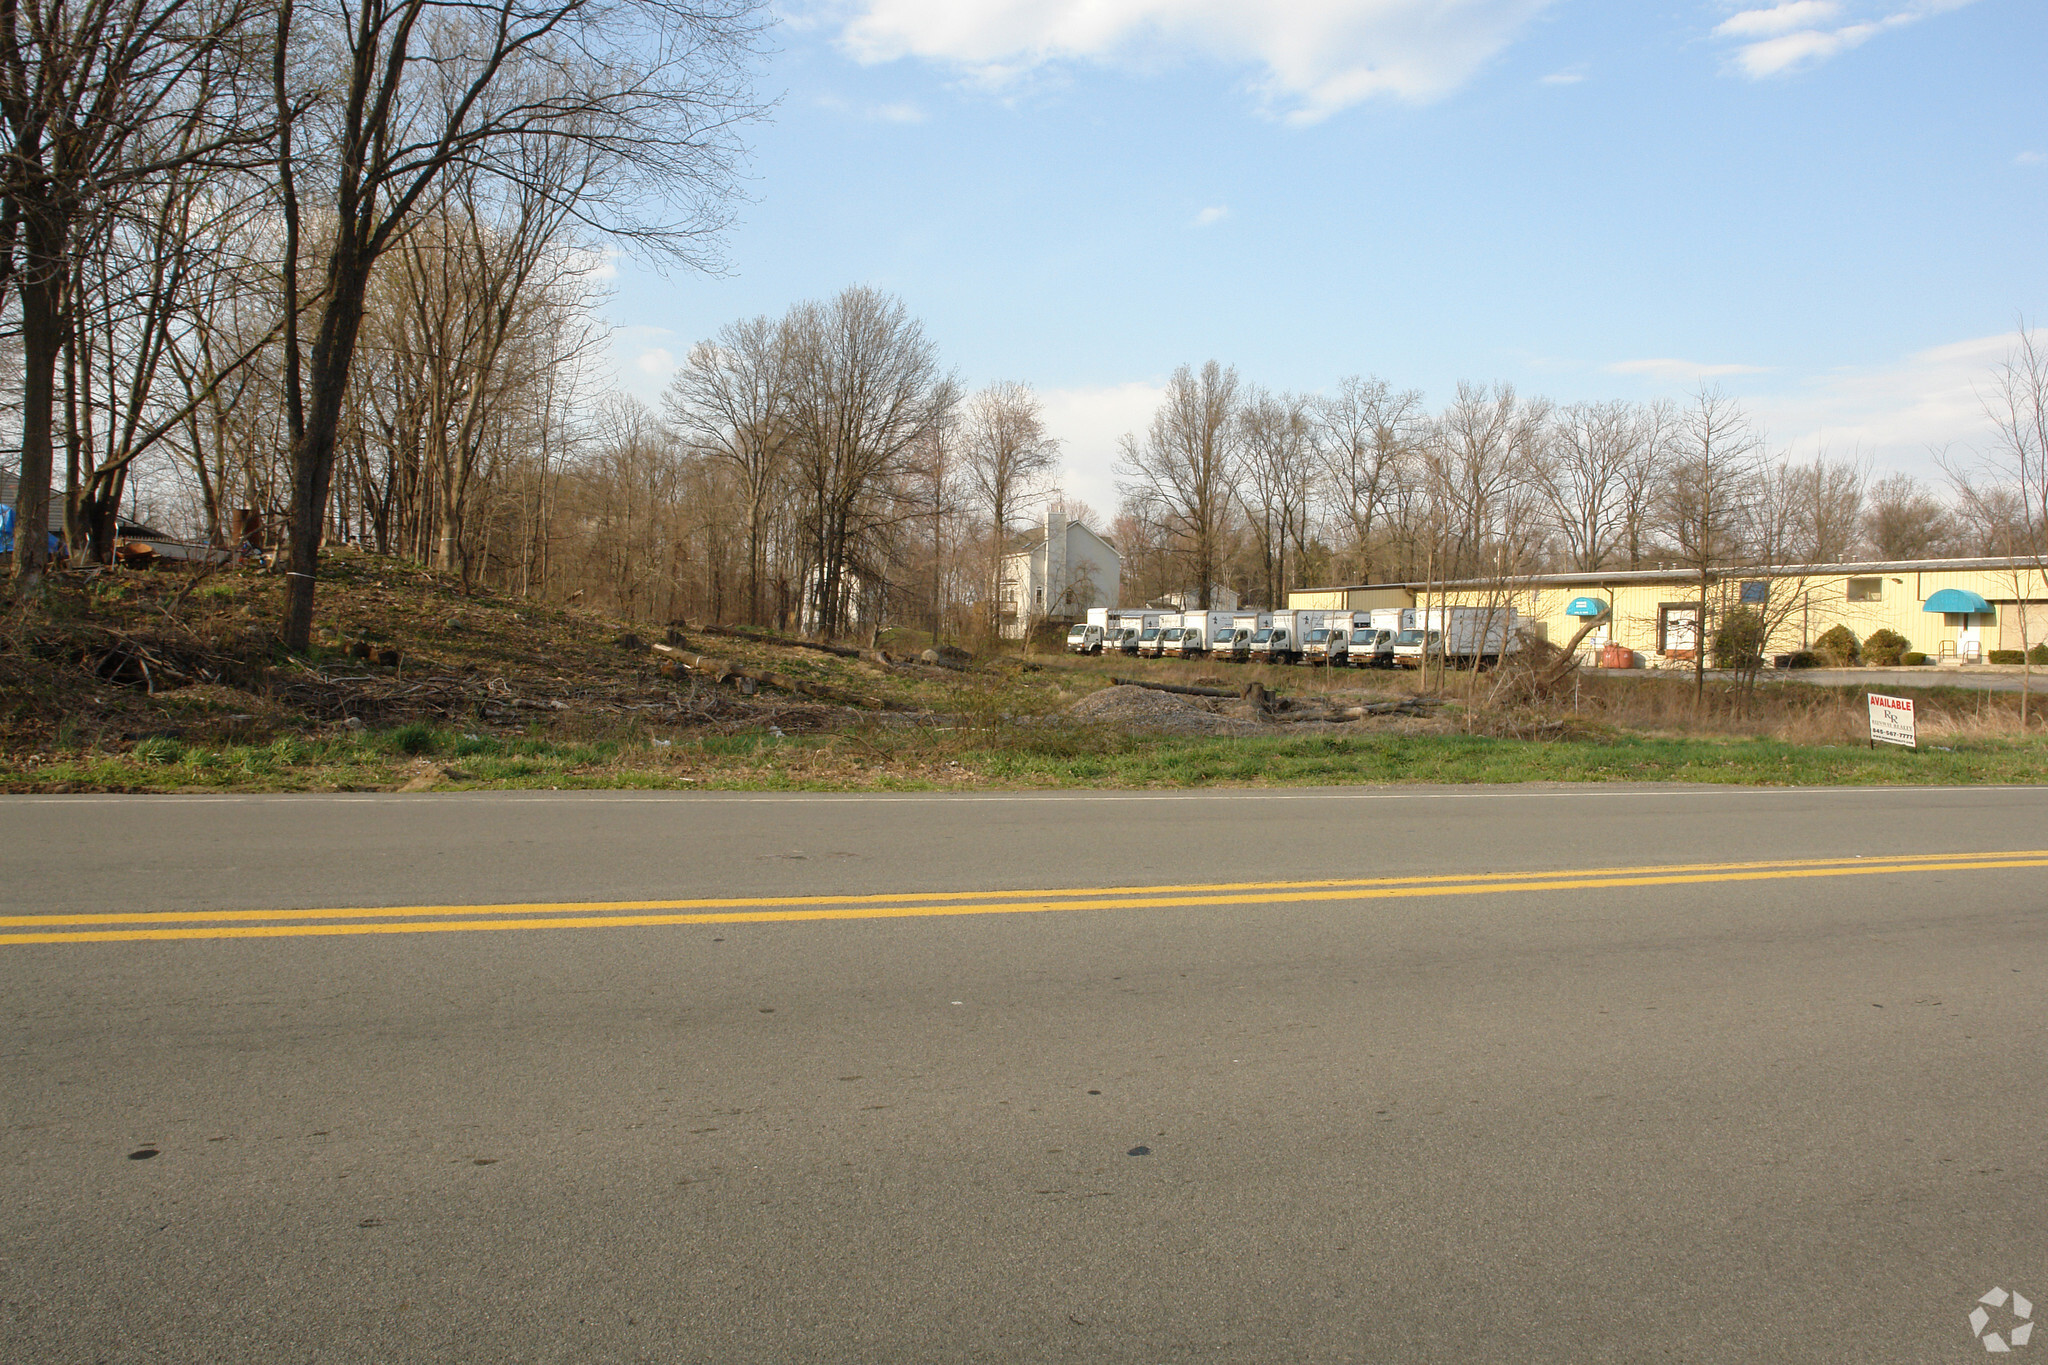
[
  {"x": 1884, "y": 648},
  {"x": 2038, "y": 655},
  {"x": 1913, "y": 657},
  {"x": 1805, "y": 658},
  {"x": 1739, "y": 641},
  {"x": 2007, "y": 656},
  {"x": 1839, "y": 646},
  {"x": 415, "y": 738},
  {"x": 159, "y": 751}
]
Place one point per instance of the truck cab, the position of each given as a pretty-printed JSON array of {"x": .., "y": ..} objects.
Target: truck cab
[
  {"x": 1149, "y": 643},
  {"x": 1183, "y": 642},
  {"x": 1326, "y": 645},
  {"x": 1085, "y": 639},
  {"x": 1273, "y": 645},
  {"x": 1408, "y": 647},
  {"x": 1127, "y": 640},
  {"x": 1234, "y": 644},
  {"x": 1370, "y": 647}
]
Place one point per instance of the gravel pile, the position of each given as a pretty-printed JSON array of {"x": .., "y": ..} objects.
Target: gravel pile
[{"x": 1142, "y": 708}]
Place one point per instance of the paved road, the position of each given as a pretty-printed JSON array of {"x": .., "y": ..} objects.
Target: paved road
[{"x": 1518, "y": 1106}]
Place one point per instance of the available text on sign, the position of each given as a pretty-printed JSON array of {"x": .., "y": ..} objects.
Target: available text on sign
[{"x": 1891, "y": 720}]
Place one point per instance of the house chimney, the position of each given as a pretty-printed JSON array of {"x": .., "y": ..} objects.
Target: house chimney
[{"x": 1055, "y": 559}]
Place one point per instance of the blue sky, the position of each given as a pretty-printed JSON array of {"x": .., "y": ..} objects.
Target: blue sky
[{"x": 1832, "y": 208}]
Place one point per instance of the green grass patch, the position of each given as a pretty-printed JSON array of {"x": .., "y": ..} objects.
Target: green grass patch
[{"x": 1025, "y": 758}]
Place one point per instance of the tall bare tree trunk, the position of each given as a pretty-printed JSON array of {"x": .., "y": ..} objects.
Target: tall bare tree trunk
[{"x": 41, "y": 284}]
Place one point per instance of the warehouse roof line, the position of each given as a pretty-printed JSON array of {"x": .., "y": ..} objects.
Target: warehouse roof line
[{"x": 1883, "y": 566}]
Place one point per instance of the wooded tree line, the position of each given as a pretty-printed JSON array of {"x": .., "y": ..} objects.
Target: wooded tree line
[
  {"x": 327, "y": 257},
  {"x": 1232, "y": 485}
]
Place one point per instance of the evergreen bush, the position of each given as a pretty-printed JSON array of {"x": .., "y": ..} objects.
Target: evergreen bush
[
  {"x": 1839, "y": 646},
  {"x": 1884, "y": 648}
]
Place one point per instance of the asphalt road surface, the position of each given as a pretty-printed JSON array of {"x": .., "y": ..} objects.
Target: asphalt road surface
[{"x": 1609, "y": 1074}]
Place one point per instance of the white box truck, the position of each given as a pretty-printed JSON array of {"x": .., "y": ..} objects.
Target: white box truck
[
  {"x": 1152, "y": 640},
  {"x": 1282, "y": 642},
  {"x": 1236, "y": 645},
  {"x": 1093, "y": 635},
  {"x": 1329, "y": 642},
  {"x": 1372, "y": 638},
  {"x": 1464, "y": 636},
  {"x": 1130, "y": 627},
  {"x": 1198, "y": 631}
]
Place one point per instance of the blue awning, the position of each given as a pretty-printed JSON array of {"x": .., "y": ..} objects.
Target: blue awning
[
  {"x": 1586, "y": 606},
  {"x": 1956, "y": 600}
]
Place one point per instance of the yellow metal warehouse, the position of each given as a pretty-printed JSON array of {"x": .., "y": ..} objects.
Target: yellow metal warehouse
[{"x": 1956, "y": 610}]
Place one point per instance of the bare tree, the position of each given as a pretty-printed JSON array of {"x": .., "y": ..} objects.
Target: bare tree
[
  {"x": 1367, "y": 443},
  {"x": 1643, "y": 476},
  {"x": 1589, "y": 451},
  {"x": 1184, "y": 468},
  {"x": 98, "y": 98},
  {"x": 865, "y": 391},
  {"x": 648, "y": 93},
  {"x": 1277, "y": 445},
  {"x": 729, "y": 401},
  {"x": 1903, "y": 519},
  {"x": 1482, "y": 456},
  {"x": 1829, "y": 497},
  {"x": 2006, "y": 489},
  {"x": 1716, "y": 456},
  {"x": 1008, "y": 459}
]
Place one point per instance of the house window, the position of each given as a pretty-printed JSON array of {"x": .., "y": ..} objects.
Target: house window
[
  {"x": 1866, "y": 590},
  {"x": 1038, "y": 596}
]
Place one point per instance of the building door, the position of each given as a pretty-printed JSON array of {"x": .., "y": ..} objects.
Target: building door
[{"x": 1679, "y": 626}]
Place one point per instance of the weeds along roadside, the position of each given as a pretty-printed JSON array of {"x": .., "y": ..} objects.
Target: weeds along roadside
[{"x": 1003, "y": 724}]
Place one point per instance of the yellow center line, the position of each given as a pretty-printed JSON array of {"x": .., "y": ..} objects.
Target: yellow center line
[
  {"x": 898, "y": 899},
  {"x": 1244, "y": 894}
]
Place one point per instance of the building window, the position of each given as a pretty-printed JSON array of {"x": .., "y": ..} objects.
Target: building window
[
  {"x": 1039, "y": 596},
  {"x": 1866, "y": 590}
]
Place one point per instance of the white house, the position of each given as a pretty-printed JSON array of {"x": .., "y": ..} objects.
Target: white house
[
  {"x": 1064, "y": 571},
  {"x": 1220, "y": 599}
]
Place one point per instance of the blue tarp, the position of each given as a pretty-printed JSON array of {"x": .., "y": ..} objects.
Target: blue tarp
[
  {"x": 7, "y": 533},
  {"x": 1960, "y": 600}
]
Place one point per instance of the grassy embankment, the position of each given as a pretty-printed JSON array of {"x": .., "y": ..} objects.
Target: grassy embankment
[{"x": 493, "y": 693}]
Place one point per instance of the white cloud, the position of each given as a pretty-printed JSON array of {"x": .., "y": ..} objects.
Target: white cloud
[
  {"x": 656, "y": 361},
  {"x": 1088, "y": 423},
  {"x": 1680, "y": 371},
  {"x": 1314, "y": 57},
  {"x": 1790, "y": 36},
  {"x": 1215, "y": 213},
  {"x": 902, "y": 111},
  {"x": 1564, "y": 78},
  {"x": 1783, "y": 18},
  {"x": 1896, "y": 414}
]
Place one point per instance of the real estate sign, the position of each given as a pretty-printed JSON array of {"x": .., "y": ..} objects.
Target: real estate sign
[{"x": 1891, "y": 720}]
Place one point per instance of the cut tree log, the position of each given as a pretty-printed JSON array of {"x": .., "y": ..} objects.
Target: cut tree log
[
  {"x": 717, "y": 670},
  {"x": 761, "y": 638},
  {"x": 1175, "y": 688},
  {"x": 1407, "y": 706}
]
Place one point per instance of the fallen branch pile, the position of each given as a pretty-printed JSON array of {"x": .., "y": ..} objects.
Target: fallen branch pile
[{"x": 718, "y": 670}]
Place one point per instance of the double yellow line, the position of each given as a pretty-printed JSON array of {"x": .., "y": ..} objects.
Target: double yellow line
[{"x": 143, "y": 926}]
